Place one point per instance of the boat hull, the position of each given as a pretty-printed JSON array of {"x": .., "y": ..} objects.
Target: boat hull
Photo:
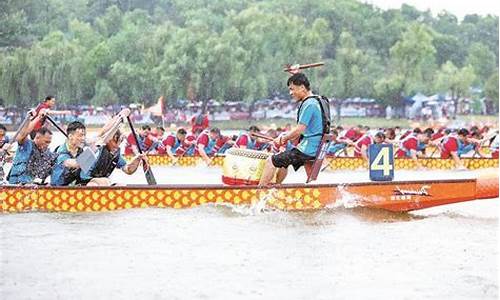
[{"x": 393, "y": 196}]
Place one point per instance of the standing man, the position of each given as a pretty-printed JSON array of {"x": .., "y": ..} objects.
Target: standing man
[
  {"x": 309, "y": 130},
  {"x": 48, "y": 103},
  {"x": 199, "y": 121}
]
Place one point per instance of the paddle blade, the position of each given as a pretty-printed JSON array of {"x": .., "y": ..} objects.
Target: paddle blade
[{"x": 150, "y": 178}]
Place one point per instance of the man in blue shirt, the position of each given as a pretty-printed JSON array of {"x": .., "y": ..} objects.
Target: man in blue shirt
[
  {"x": 309, "y": 130},
  {"x": 108, "y": 155},
  {"x": 33, "y": 158},
  {"x": 67, "y": 170}
]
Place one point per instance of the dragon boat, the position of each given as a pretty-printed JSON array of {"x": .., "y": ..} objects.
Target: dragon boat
[
  {"x": 399, "y": 196},
  {"x": 241, "y": 171}
]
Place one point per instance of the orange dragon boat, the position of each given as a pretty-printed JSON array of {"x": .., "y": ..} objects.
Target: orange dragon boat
[
  {"x": 241, "y": 171},
  {"x": 396, "y": 196}
]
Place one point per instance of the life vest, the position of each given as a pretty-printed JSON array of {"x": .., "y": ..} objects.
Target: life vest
[
  {"x": 251, "y": 144},
  {"x": 324, "y": 104},
  {"x": 209, "y": 148},
  {"x": 71, "y": 175},
  {"x": 406, "y": 150},
  {"x": 460, "y": 144},
  {"x": 37, "y": 165},
  {"x": 176, "y": 145},
  {"x": 358, "y": 146},
  {"x": 105, "y": 164}
]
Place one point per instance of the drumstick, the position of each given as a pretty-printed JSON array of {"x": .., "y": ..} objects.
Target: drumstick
[
  {"x": 305, "y": 66},
  {"x": 262, "y": 136}
]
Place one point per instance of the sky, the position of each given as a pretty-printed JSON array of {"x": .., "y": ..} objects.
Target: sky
[{"x": 460, "y": 8}]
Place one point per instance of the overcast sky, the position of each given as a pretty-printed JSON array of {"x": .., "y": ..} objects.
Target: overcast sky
[{"x": 460, "y": 8}]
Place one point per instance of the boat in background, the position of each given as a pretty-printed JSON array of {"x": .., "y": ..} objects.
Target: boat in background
[{"x": 339, "y": 163}]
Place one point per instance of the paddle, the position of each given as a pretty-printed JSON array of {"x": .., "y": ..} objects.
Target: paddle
[
  {"x": 305, "y": 66},
  {"x": 262, "y": 136},
  {"x": 150, "y": 178},
  {"x": 56, "y": 126}
]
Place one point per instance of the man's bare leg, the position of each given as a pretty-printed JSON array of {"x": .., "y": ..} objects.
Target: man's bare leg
[
  {"x": 268, "y": 173},
  {"x": 281, "y": 175}
]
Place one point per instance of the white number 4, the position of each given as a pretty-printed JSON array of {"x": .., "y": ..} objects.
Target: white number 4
[{"x": 382, "y": 162}]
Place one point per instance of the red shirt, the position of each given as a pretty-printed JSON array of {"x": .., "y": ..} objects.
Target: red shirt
[
  {"x": 409, "y": 143},
  {"x": 437, "y": 135},
  {"x": 407, "y": 133},
  {"x": 204, "y": 124},
  {"x": 449, "y": 145},
  {"x": 40, "y": 122},
  {"x": 352, "y": 134},
  {"x": 130, "y": 142},
  {"x": 242, "y": 141},
  {"x": 367, "y": 140},
  {"x": 494, "y": 153},
  {"x": 203, "y": 139},
  {"x": 221, "y": 141}
]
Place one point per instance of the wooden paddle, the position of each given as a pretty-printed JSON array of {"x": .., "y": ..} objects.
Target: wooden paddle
[
  {"x": 305, "y": 66},
  {"x": 56, "y": 126},
  {"x": 150, "y": 178},
  {"x": 262, "y": 136}
]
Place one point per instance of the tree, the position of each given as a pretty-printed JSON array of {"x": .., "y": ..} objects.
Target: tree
[
  {"x": 407, "y": 66},
  {"x": 482, "y": 60},
  {"x": 491, "y": 90},
  {"x": 349, "y": 78},
  {"x": 455, "y": 81}
]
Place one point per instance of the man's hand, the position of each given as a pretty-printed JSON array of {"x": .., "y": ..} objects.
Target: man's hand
[
  {"x": 124, "y": 113},
  {"x": 280, "y": 140},
  {"x": 294, "y": 69}
]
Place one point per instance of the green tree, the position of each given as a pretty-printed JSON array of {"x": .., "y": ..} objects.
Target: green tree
[
  {"x": 455, "y": 81},
  {"x": 482, "y": 60},
  {"x": 408, "y": 66}
]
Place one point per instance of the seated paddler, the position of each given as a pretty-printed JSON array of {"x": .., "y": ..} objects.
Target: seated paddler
[
  {"x": 33, "y": 161},
  {"x": 108, "y": 157},
  {"x": 311, "y": 124},
  {"x": 67, "y": 168}
]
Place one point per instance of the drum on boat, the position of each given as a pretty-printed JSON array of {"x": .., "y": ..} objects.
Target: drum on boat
[{"x": 243, "y": 166}]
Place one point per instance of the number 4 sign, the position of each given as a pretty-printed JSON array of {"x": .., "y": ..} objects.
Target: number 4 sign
[{"x": 381, "y": 163}]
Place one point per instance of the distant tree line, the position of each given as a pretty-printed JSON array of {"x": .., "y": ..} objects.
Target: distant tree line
[{"x": 122, "y": 51}]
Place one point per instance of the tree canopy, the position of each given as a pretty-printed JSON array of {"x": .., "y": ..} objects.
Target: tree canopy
[{"x": 110, "y": 51}]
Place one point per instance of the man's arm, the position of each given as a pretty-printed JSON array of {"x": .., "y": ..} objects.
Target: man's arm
[
  {"x": 203, "y": 154},
  {"x": 132, "y": 166},
  {"x": 291, "y": 135},
  {"x": 25, "y": 131}
]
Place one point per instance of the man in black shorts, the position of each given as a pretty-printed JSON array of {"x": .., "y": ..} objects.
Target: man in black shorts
[{"x": 309, "y": 130}]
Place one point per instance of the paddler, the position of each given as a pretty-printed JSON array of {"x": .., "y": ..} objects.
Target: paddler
[
  {"x": 414, "y": 145},
  {"x": 310, "y": 126},
  {"x": 67, "y": 169},
  {"x": 210, "y": 143},
  {"x": 361, "y": 146},
  {"x": 109, "y": 157},
  {"x": 452, "y": 145},
  {"x": 247, "y": 141},
  {"x": 33, "y": 161},
  {"x": 172, "y": 145}
]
